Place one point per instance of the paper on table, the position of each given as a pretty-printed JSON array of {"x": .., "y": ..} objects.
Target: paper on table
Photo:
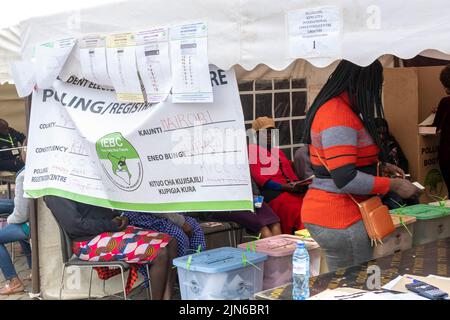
[
  {"x": 189, "y": 59},
  {"x": 440, "y": 282},
  {"x": 428, "y": 121},
  {"x": 153, "y": 61},
  {"x": 93, "y": 60},
  {"x": 314, "y": 32},
  {"x": 50, "y": 59},
  {"x": 122, "y": 67},
  {"x": 24, "y": 77},
  {"x": 425, "y": 127},
  {"x": 354, "y": 294}
]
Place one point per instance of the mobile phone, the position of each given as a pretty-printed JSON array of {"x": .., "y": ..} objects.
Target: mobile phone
[
  {"x": 426, "y": 290},
  {"x": 258, "y": 201},
  {"x": 418, "y": 185}
]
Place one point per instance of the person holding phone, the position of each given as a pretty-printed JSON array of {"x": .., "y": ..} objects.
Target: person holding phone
[
  {"x": 344, "y": 147},
  {"x": 273, "y": 173}
]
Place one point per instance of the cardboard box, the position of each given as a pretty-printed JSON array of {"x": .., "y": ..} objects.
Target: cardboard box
[{"x": 409, "y": 94}]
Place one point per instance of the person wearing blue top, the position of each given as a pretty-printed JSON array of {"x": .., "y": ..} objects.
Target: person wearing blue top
[{"x": 17, "y": 229}]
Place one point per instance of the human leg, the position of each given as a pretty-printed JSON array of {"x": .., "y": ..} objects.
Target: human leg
[
  {"x": 26, "y": 249},
  {"x": 172, "y": 253},
  {"x": 8, "y": 234},
  {"x": 265, "y": 232},
  {"x": 343, "y": 247},
  {"x": 159, "y": 274},
  {"x": 287, "y": 207},
  {"x": 6, "y": 206},
  {"x": 275, "y": 229}
]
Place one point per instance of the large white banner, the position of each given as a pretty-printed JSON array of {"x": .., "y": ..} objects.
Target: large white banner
[{"x": 87, "y": 146}]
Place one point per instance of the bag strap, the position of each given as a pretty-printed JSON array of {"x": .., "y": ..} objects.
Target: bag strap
[{"x": 328, "y": 169}]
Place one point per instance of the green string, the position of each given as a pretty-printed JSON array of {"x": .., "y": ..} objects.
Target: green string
[
  {"x": 245, "y": 261},
  {"x": 188, "y": 262}
]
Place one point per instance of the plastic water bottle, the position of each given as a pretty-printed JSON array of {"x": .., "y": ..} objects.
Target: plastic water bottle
[{"x": 300, "y": 272}]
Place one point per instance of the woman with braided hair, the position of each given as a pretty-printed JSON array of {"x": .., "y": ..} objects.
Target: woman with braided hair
[{"x": 344, "y": 146}]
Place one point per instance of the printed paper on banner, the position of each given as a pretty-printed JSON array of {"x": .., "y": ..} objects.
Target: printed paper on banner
[
  {"x": 153, "y": 61},
  {"x": 50, "y": 58},
  {"x": 189, "y": 58},
  {"x": 93, "y": 60},
  {"x": 122, "y": 67},
  {"x": 24, "y": 78},
  {"x": 314, "y": 32},
  {"x": 86, "y": 145}
]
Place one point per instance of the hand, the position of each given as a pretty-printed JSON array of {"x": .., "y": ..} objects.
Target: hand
[
  {"x": 289, "y": 187},
  {"x": 122, "y": 222},
  {"x": 300, "y": 188},
  {"x": 404, "y": 188},
  {"x": 392, "y": 170},
  {"x": 187, "y": 229},
  {"x": 434, "y": 110}
]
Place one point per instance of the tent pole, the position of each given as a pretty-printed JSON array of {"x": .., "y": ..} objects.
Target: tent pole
[{"x": 35, "y": 276}]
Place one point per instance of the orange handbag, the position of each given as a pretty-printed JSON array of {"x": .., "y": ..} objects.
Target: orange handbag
[{"x": 375, "y": 215}]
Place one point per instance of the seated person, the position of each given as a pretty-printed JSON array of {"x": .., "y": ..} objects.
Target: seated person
[
  {"x": 186, "y": 230},
  {"x": 263, "y": 221},
  {"x": 9, "y": 138},
  {"x": 273, "y": 173},
  {"x": 17, "y": 229},
  {"x": 101, "y": 234}
]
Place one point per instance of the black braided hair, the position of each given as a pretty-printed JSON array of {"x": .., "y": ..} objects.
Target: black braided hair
[{"x": 364, "y": 87}]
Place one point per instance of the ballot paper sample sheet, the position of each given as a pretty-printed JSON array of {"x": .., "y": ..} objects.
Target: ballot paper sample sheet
[
  {"x": 86, "y": 145},
  {"x": 93, "y": 60},
  {"x": 49, "y": 59},
  {"x": 153, "y": 61},
  {"x": 122, "y": 68},
  {"x": 189, "y": 60}
]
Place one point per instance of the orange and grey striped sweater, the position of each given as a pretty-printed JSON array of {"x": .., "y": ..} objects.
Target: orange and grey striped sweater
[{"x": 346, "y": 147}]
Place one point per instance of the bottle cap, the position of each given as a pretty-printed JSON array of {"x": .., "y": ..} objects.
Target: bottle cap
[{"x": 300, "y": 244}]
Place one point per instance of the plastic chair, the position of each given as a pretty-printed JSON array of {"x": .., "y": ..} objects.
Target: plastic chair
[{"x": 69, "y": 259}]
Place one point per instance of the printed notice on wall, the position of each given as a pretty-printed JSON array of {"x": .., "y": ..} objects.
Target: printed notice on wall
[
  {"x": 153, "y": 61},
  {"x": 50, "y": 59},
  {"x": 314, "y": 32},
  {"x": 93, "y": 60},
  {"x": 190, "y": 71},
  {"x": 122, "y": 67}
]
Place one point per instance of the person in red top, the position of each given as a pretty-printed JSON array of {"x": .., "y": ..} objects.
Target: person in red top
[
  {"x": 273, "y": 173},
  {"x": 344, "y": 146}
]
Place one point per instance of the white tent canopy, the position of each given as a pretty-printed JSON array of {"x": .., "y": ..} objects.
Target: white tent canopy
[
  {"x": 251, "y": 32},
  {"x": 244, "y": 32}
]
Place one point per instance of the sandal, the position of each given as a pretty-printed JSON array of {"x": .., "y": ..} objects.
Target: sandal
[{"x": 9, "y": 289}]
